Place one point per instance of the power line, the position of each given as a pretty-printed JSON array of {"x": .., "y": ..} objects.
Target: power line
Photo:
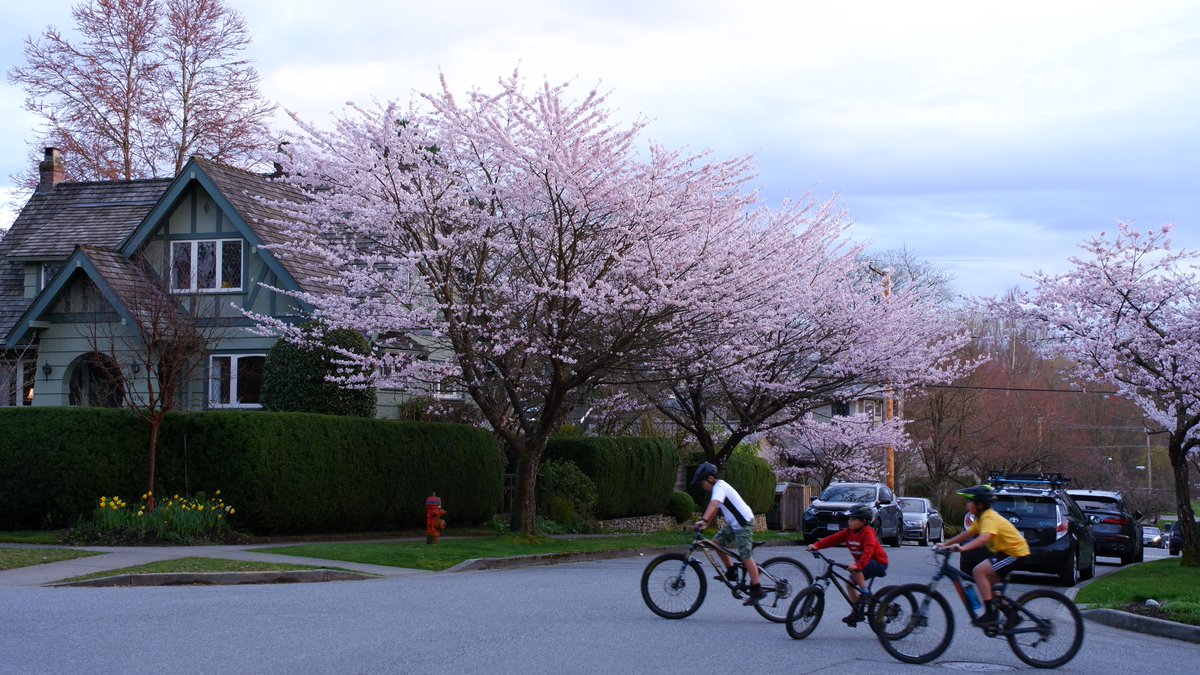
[{"x": 983, "y": 388}]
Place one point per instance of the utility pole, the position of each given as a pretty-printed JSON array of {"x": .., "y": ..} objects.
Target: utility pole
[{"x": 891, "y": 394}]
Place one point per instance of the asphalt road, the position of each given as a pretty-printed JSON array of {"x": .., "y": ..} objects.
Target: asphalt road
[{"x": 568, "y": 618}]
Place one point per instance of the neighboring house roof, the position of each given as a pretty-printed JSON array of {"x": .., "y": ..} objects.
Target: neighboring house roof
[{"x": 51, "y": 224}]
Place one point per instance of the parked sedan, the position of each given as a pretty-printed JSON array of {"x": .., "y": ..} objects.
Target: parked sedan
[
  {"x": 1152, "y": 536},
  {"x": 922, "y": 522}
]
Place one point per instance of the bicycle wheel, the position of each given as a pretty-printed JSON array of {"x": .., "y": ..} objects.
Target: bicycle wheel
[
  {"x": 673, "y": 586},
  {"x": 781, "y": 579},
  {"x": 891, "y": 614},
  {"x": 922, "y": 625},
  {"x": 1046, "y": 630},
  {"x": 805, "y": 612}
]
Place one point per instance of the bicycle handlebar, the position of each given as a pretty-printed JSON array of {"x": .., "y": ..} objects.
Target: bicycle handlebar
[{"x": 834, "y": 563}]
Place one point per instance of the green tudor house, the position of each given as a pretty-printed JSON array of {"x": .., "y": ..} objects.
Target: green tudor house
[{"x": 86, "y": 265}]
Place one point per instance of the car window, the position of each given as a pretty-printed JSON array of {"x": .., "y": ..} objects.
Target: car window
[
  {"x": 1094, "y": 502},
  {"x": 848, "y": 493},
  {"x": 886, "y": 496},
  {"x": 1026, "y": 506},
  {"x": 912, "y": 505}
]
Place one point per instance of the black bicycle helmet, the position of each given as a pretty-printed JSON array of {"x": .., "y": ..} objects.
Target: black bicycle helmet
[
  {"x": 863, "y": 513},
  {"x": 984, "y": 494},
  {"x": 703, "y": 471}
]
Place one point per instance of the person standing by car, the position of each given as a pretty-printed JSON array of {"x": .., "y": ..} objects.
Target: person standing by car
[
  {"x": 738, "y": 531},
  {"x": 870, "y": 560},
  {"x": 1007, "y": 544}
]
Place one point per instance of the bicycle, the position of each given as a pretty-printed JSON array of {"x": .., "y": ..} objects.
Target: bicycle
[
  {"x": 1043, "y": 627},
  {"x": 809, "y": 604},
  {"x": 674, "y": 584}
]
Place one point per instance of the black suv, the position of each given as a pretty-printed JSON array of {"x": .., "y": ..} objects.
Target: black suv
[
  {"x": 1117, "y": 530},
  {"x": 1059, "y": 534},
  {"x": 830, "y": 511}
]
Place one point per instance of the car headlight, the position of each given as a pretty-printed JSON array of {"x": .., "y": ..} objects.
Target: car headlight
[{"x": 811, "y": 511}]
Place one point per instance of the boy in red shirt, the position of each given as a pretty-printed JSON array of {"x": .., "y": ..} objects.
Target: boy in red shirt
[{"x": 870, "y": 560}]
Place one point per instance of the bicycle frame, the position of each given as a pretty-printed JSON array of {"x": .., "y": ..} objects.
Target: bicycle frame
[
  {"x": 962, "y": 581},
  {"x": 826, "y": 579},
  {"x": 712, "y": 551}
]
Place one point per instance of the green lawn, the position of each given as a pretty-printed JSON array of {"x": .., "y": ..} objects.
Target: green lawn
[
  {"x": 449, "y": 552},
  {"x": 50, "y": 537},
  {"x": 11, "y": 558},
  {"x": 1176, "y": 587},
  {"x": 197, "y": 565}
]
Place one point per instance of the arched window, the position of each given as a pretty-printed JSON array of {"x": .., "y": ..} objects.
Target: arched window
[{"x": 96, "y": 382}]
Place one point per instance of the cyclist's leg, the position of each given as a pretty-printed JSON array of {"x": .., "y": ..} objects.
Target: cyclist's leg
[
  {"x": 724, "y": 537},
  {"x": 859, "y": 580},
  {"x": 743, "y": 538}
]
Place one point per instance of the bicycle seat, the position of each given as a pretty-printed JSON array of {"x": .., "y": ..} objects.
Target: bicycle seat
[{"x": 756, "y": 544}]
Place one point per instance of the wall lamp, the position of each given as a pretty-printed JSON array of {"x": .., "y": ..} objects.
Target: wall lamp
[{"x": 47, "y": 369}]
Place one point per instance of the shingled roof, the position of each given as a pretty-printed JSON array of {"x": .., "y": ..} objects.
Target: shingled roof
[
  {"x": 259, "y": 199},
  {"x": 52, "y": 223}
]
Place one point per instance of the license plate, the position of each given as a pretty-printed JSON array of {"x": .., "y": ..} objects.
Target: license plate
[{"x": 834, "y": 527}]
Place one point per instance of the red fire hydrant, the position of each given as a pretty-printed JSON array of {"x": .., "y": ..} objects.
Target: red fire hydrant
[{"x": 433, "y": 519}]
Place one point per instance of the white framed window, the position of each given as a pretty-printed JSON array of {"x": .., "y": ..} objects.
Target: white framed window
[
  {"x": 206, "y": 265},
  {"x": 449, "y": 389},
  {"x": 235, "y": 380},
  {"x": 17, "y": 379}
]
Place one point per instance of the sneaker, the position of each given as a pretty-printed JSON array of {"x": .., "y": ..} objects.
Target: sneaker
[
  {"x": 731, "y": 574},
  {"x": 756, "y": 594},
  {"x": 852, "y": 619},
  {"x": 988, "y": 619}
]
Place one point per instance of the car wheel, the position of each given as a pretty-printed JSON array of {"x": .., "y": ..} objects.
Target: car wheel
[
  {"x": 1089, "y": 571},
  {"x": 1070, "y": 575}
]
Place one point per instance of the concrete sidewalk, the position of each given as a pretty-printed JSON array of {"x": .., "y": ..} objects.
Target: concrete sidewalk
[{"x": 119, "y": 557}]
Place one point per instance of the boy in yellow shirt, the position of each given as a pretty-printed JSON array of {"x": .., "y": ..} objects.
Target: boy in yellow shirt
[{"x": 990, "y": 529}]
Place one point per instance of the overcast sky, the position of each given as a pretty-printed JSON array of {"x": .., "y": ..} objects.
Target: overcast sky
[{"x": 988, "y": 138}]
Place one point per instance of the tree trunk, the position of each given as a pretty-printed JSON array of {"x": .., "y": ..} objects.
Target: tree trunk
[
  {"x": 1183, "y": 500},
  {"x": 523, "y": 512},
  {"x": 155, "y": 425}
]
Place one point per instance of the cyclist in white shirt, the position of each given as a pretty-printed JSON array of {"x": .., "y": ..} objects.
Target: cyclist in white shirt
[{"x": 739, "y": 526}]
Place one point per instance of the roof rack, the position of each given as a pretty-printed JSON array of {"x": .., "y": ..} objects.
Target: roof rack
[{"x": 1053, "y": 480}]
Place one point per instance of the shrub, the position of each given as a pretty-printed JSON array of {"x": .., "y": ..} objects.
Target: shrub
[
  {"x": 681, "y": 507},
  {"x": 294, "y": 377},
  {"x": 634, "y": 476},
  {"x": 752, "y": 477},
  {"x": 565, "y": 494}
]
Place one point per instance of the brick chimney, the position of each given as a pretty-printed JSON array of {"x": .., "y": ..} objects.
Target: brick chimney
[{"x": 52, "y": 170}]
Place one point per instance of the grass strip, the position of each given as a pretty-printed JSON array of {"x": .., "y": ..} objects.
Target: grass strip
[
  {"x": 451, "y": 551},
  {"x": 12, "y": 558},
  {"x": 1176, "y": 588},
  {"x": 199, "y": 565},
  {"x": 49, "y": 537}
]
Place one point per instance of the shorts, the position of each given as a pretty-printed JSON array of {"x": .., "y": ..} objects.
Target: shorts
[
  {"x": 874, "y": 569},
  {"x": 739, "y": 540},
  {"x": 1003, "y": 563}
]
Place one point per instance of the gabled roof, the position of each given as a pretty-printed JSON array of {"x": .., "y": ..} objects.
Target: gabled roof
[
  {"x": 52, "y": 223},
  {"x": 250, "y": 201},
  {"x": 122, "y": 282}
]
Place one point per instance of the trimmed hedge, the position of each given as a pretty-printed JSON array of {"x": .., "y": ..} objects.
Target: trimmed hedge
[
  {"x": 55, "y": 463},
  {"x": 283, "y": 472},
  {"x": 753, "y": 478},
  {"x": 634, "y": 476}
]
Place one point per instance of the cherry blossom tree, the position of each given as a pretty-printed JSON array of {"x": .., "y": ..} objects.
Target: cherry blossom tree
[
  {"x": 1128, "y": 314},
  {"x": 525, "y": 241},
  {"x": 832, "y": 331},
  {"x": 842, "y": 448}
]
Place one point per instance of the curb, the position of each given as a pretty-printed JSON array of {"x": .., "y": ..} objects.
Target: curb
[
  {"x": 477, "y": 564},
  {"x": 217, "y": 578},
  {"x": 1144, "y": 624}
]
